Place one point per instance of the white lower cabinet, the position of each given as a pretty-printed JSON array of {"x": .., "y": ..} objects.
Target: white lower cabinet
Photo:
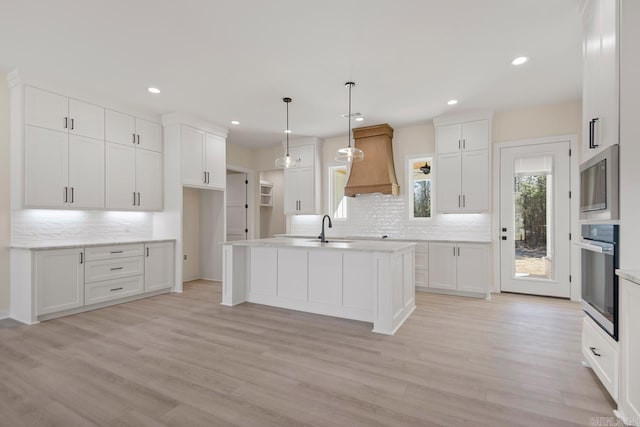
[
  {"x": 292, "y": 266},
  {"x": 422, "y": 265},
  {"x": 158, "y": 266},
  {"x": 72, "y": 280},
  {"x": 460, "y": 267},
  {"x": 629, "y": 399},
  {"x": 59, "y": 278},
  {"x": 601, "y": 353}
]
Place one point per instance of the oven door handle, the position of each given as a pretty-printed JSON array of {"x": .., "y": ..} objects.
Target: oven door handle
[{"x": 606, "y": 248}]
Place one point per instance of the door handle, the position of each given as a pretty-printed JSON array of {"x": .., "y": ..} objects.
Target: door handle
[
  {"x": 595, "y": 353},
  {"x": 72, "y": 124},
  {"x": 115, "y": 289},
  {"x": 147, "y": 252},
  {"x": 454, "y": 251},
  {"x": 116, "y": 268},
  {"x": 138, "y": 199},
  {"x": 81, "y": 257},
  {"x": 66, "y": 194},
  {"x": 66, "y": 123},
  {"x": 458, "y": 250},
  {"x": 590, "y": 133},
  {"x": 595, "y": 120},
  {"x": 72, "y": 195},
  {"x": 459, "y": 145},
  {"x": 138, "y": 139},
  {"x": 204, "y": 177},
  {"x": 504, "y": 237},
  {"x": 464, "y": 200},
  {"x": 134, "y": 198},
  {"x": 134, "y": 137},
  {"x": 459, "y": 203},
  {"x": 464, "y": 143}
]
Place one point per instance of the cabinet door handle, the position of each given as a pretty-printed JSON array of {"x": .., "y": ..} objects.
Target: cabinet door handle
[
  {"x": 595, "y": 353},
  {"x": 459, "y": 144},
  {"x": 464, "y": 143},
  {"x": 71, "y": 195},
  {"x": 66, "y": 194},
  {"x": 591, "y": 134},
  {"x": 72, "y": 124},
  {"x": 458, "y": 250},
  {"x": 116, "y": 268},
  {"x": 595, "y": 120},
  {"x": 300, "y": 204},
  {"x": 147, "y": 252},
  {"x": 116, "y": 252},
  {"x": 134, "y": 137},
  {"x": 115, "y": 289},
  {"x": 134, "y": 198},
  {"x": 138, "y": 199},
  {"x": 66, "y": 123},
  {"x": 459, "y": 198},
  {"x": 138, "y": 139},
  {"x": 464, "y": 200},
  {"x": 204, "y": 177},
  {"x": 81, "y": 257}
]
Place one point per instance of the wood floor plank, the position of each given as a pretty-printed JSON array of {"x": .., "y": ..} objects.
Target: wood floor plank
[{"x": 186, "y": 360}]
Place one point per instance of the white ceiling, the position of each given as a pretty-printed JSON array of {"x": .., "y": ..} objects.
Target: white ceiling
[{"x": 236, "y": 59}]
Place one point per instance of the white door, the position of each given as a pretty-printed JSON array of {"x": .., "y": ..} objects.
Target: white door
[
  {"x": 236, "y": 206},
  {"x": 215, "y": 161},
  {"x": 86, "y": 119},
  {"x": 306, "y": 191},
  {"x": 475, "y": 181},
  {"x": 45, "y": 109},
  {"x": 59, "y": 280},
  {"x": 149, "y": 135},
  {"x": 120, "y": 127},
  {"x": 442, "y": 265},
  {"x": 449, "y": 138},
  {"x": 193, "y": 172},
  {"x": 46, "y": 166},
  {"x": 158, "y": 266},
  {"x": 149, "y": 180},
  {"x": 449, "y": 183},
  {"x": 535, "y": 219},
  {"x": 472, "y": 267},
  {"x": 120, "y": 176},
  {"x": 86, "y": 172},
  {"x": 475, "y": 135}
]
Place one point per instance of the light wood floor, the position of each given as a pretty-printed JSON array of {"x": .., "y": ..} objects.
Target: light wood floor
[{"x": 185, "y": 360}]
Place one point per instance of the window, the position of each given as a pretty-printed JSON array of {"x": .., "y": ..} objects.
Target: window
[
  {"x": 419, "y": 185},
  {"x": 337, "y": 200}
]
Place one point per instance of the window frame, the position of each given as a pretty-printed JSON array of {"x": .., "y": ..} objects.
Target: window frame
[
  {"x": 409, "y": 159},
  {"x": 330, "y": 184}
]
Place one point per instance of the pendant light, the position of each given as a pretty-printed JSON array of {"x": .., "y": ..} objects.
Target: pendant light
[
  {"x": 287, "y": 161},
  {"x": 349, "y": 154}
]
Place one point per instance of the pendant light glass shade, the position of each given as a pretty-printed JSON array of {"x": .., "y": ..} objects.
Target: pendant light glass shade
[
  {"x": 287, "y": 161},
  {"x": 349, "y": 154}
]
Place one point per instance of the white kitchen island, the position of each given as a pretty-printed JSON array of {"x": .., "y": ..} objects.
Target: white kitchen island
[{"x": 370, "y": 281}]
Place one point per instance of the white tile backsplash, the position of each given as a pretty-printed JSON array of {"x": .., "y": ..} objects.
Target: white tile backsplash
[
  {"x": 374, "y": 215},
  {"x": 55, "y": 226}
]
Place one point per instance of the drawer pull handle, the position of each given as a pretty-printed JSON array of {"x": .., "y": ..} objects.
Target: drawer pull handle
[
  {"x": 595, "y": 353},
  {"x": 116, "y": 252},
  {"x": 116, "y": 289},
  {"x": 116, "y": 268}
]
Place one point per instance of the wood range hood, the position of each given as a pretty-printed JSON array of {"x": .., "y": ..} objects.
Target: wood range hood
[{"x": 376, "y": 173}]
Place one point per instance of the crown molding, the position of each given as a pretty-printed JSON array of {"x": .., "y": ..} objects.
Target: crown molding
[{"x": 177, "y": 118}]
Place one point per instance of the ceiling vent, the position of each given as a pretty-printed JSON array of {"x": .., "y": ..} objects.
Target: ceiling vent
[{"x": 376, "y": 173}]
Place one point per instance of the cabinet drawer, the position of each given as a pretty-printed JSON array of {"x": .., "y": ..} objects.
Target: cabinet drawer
[
  {"x": 422, "y": 248},
  {"x": 422, "y": 278},
  {"x": 601, "y": 354},
  {"x": 115, "y": 251},
  {"x": 98, "y": 292},
  {"x": 422, "y": 260},
  {"x": 96, "y": 271}
]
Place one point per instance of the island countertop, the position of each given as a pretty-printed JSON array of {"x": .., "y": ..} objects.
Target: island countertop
[{"x": 308, "y": 243}]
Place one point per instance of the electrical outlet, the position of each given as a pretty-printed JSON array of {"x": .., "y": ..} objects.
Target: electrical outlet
[{"x": 184, "y": 257}]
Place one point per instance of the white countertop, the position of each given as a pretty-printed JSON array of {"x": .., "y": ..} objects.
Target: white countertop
[
  {"x": 83, "y": 244},
  {"x": 630, "y": 275},
  {"x": 308, "y": 243},
  {"x": 392, "y": 239}
]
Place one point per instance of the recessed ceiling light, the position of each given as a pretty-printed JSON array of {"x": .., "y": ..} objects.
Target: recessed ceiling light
[
  {"x": 235, "y": 122},
  {"x": 359, "y": 119},
  {"x": 154, "y": 90},
  {"x": 519, "y": 60},
  {"x": 452, "y": 102}
]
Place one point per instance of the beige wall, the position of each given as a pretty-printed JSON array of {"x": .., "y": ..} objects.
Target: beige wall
[
  {"x": 539, "y": 121},
  {"x": 272, "y": 219},
  {"x": 191, "y": 233},
  {"x": 5, "y": 234},
  {"x": 237, "y": 155}
]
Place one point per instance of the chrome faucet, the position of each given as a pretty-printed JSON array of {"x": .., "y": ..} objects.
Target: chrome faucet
[{"x": 321, "y": 236}]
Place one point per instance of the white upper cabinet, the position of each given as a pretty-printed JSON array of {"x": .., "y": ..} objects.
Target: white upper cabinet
[
  {"x": 86, "y": 119},
  {"x": 46, "y": 166},
  {"x": 215, "y": 154},
  {"x": 601, "y": 93},
  {"x": 120, "y": 127},
  {"x": 86, "y": 172},
  {"x": 149, "y": 180},
  {"x": 46, "y": 110},
  {"x": 305, "y": 154},
  {"x": 462, "y": 165},
  {"x": 149, "y": 135},
  {"x": 120, "y": 174},
  {"x": 302, "y": 184},
  {"x": 203, "y": 159}
]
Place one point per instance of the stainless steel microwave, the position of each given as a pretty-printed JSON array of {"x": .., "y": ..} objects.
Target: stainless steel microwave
[{"x": 599, "y": 182}]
